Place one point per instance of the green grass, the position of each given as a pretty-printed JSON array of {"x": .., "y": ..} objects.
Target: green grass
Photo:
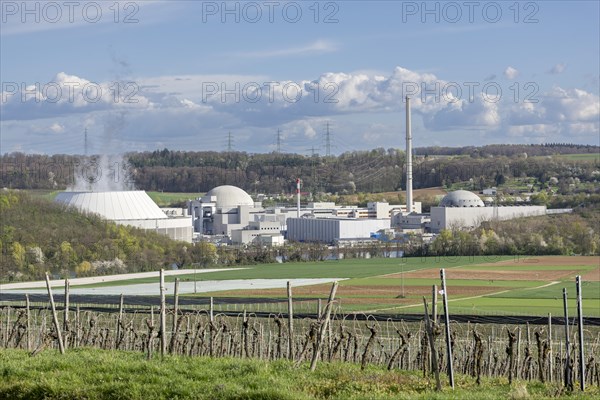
[
  {"x": 97, "y": 374},
  {"x": 580, "y": 157},
  {"x": 531, "y": 267},
  {"x": 352, "y": 268},
  {"x": 590, "y": 291},
  {"x": 164, "y": 199}
]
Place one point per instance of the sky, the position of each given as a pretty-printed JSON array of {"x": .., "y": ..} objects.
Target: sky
[{"x": 186, "y": 75}]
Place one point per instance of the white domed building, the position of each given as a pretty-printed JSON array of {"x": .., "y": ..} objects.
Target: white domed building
[
  {"x": 461, "y": 198},
  {"x": 462, "y": 209},
  {"x": 222, "y": 210},
  {"x": 134, "y": 208}
]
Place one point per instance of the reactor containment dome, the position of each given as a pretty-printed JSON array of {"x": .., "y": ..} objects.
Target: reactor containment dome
[
  {"x": 228, "y": 197},
  {"x": 461, "y": 198}
]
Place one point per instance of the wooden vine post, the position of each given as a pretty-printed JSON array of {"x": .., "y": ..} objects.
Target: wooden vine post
[
  {"x": 55, "y": 317},
  {"x": 163, "y": 323},
  {"x": 580, "y": 329},
  {"x": 447, "y": 322},
  {"x": 290, "y": 322},
  {"x": 568, "y": 376},
  {"x": 66, "y": 312},
  {"x": 323, "y": 328},
  {"x": 434, "y": 361}
]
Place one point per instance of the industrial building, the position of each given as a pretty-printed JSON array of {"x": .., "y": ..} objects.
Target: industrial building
[
  {"x": 334, "y": 230},
  {"x": 229, "y": 213},
  {"x": 133, "y": 208},
  {"x": 462, "y": 209}
]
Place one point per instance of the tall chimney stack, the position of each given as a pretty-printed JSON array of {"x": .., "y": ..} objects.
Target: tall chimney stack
[
  {"x": 409, "y": 177},
  {"x": 298, "y": 196}
]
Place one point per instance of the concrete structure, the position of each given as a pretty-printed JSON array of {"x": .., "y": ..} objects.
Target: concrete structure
[
  {"x": 461, "y": 198},
  {"x": 222, "y": 210},
  {"x": 230, "y": 212},
  {"x": 334, "y": 230},
  {"x": 409, "y": 177},
  {"x": 133, "y": 208},
  {"x": 462, "y": 209}
]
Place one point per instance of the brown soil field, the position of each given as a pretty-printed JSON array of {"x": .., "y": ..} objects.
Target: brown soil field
[
  {"x": 546, "y": 260},
  {"x": 433, "y": 191},
  {"x": 489, "y": 275},
  {"x": 591, "y": 276},
  {"x": 365, "y": 292}
]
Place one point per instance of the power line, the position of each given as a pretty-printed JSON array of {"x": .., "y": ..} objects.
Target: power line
[
  {"x": 279, "y": 140},
  {"x": 229, "y": 142},
  {"x": 313, "y": 151},
  {"x": 328, "y": 135}
]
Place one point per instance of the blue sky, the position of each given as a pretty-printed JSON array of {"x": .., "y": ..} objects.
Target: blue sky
[{"x": 478, "y": 73}]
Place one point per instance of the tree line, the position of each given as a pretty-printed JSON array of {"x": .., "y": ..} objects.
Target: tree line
[{"x": 377, "y": 170}]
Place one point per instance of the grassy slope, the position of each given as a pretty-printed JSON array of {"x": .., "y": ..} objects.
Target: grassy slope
[{"x": 97, "y": 374}]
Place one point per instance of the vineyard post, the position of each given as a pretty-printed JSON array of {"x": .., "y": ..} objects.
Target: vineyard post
[
  {"x": 28, "y": 323},
  {"x": 580, "y": 326},
  {"x": 319, "y": 308},
  {"x": 447, "y": 322},
  {"x": 176, "y": 304},
  {"x": 567, "y": 372},
  {"x": 119, "y": 321},
  {"x": 323, "y": 328},
  {"x": 434, "y": 291},
  {"x": 517, "y": 362},
  {"x": 54, "y": 316},
  {"x": 290, "y": 322},
  {"x": 438, "y": 384},
  {"x": 7, "y": 330},
  {"x": 211, "y": 315},
  {"x": 66, "y": 312},
  {"x": 550, "y": 346},
  {"x": 77, "y": 338},
  {"x": 163, "y": 327}
]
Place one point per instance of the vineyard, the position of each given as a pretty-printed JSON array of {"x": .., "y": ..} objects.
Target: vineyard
[{"x": 542, "y": 349}]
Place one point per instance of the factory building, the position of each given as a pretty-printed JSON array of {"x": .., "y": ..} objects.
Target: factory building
[
  {"x": 133, "y": 208},
  {"x": 334, "y": 230}
]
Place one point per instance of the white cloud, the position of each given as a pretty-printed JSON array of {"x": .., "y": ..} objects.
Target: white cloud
[
  {"x": 316, "y": 47},
  {"x": 511, "y": 73},
  {"x": 57, "y": 128},
  {"x": 558, "y": 69},
  {"x": 175, "y": 110}
]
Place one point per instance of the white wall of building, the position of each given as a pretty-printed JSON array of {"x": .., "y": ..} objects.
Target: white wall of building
[
  {"x": 470, "y": 217},
  {"x": 330, "y": 230}
]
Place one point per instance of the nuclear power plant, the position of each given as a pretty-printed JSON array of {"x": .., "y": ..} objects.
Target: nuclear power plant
[{"x": 228, "y": 215}]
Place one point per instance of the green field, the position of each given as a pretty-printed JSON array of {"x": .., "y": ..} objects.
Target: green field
[
  {"x": 368, "y": 285},
  {"x": 165, "y": 199},
  {"x": 580, "y": 157},
  {"x": 99, "y": 374}
]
